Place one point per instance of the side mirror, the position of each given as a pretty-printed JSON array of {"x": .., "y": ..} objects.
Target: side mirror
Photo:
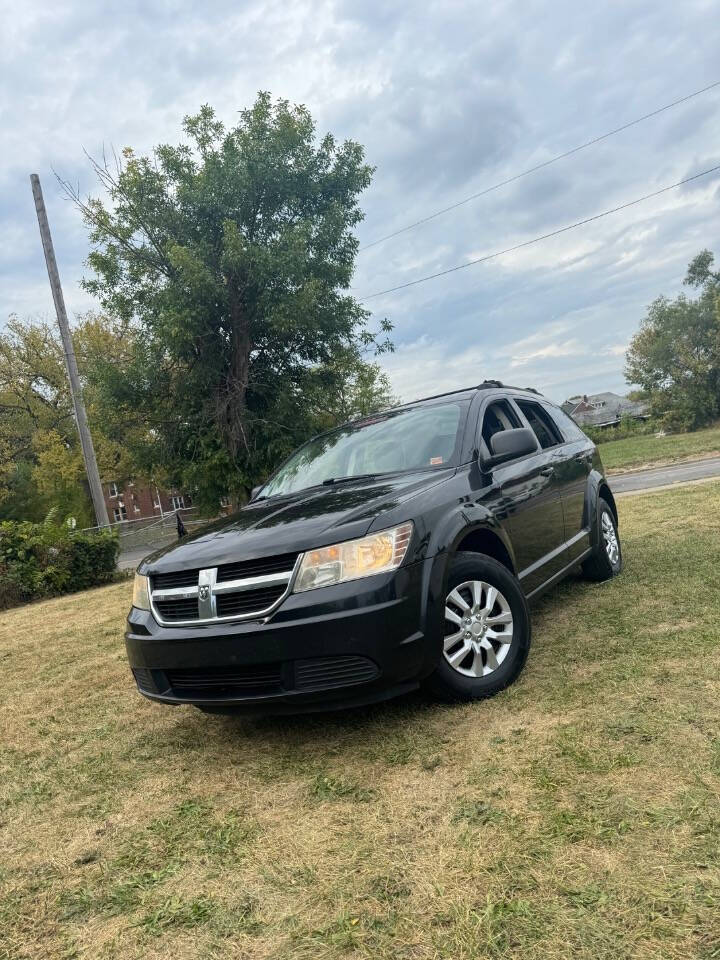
[
  {"x": 255, "y": 491},
  {"x": 509, "y": 445}
]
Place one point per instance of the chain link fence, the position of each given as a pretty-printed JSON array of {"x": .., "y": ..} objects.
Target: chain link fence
[{"x": 143, "y": 536}]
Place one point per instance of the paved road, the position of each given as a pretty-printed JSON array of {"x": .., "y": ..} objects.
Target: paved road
[
  {"x": 664, "y": 476},
  {"x": 129, "y": 559}
]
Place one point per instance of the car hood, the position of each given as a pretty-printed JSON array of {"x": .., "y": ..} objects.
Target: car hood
[{"x": 297, "y": 522}]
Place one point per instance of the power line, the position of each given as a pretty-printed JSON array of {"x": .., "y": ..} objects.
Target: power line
[
  {"x": 539, "y": 166},
  {"x": 545, "y": 236}
]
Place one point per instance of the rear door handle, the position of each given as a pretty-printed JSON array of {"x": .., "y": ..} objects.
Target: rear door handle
[{"x": 547, "y": 471}]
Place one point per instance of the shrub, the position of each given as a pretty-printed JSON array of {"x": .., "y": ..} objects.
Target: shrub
[
  {"x": 626, "y": 428},
  {"x": 39, "y": 560},
  {"x": 93, "y": 558}
]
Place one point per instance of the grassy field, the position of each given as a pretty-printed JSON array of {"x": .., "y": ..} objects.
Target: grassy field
[
  {"x": 577, "y": 815},
  {"x": 635, "y": 452}
]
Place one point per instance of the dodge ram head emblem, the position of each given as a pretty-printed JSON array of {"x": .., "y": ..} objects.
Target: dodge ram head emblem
[{"x": 204, "y": 592}]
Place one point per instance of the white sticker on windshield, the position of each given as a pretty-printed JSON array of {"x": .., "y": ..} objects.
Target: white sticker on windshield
[{"x": 434, "y": 461}]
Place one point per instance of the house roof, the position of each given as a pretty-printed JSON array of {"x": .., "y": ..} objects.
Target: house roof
[
  {"x": 599, "y": 409},
  {"x": 608, "y": 397}
]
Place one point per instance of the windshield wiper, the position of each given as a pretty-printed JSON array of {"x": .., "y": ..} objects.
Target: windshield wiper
[{"x": 331, "y": 481}]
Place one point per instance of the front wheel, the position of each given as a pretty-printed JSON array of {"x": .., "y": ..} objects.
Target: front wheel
[
  {"x": 605, "y": 561},
  {"x": 486, "y": 630}
]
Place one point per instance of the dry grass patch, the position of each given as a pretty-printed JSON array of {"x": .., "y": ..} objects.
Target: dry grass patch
[{"x": 576, "y": 815}]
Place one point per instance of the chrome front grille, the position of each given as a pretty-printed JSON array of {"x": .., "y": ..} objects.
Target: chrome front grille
[
  {"x": 177, "y": 609},
  {"x": 179, "y": 578},
  {"x": 245, "y": 590},
  {"x": 255, "y": 568}
]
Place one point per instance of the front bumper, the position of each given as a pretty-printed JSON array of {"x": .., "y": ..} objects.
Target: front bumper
[{"x": 329, "y": 648}]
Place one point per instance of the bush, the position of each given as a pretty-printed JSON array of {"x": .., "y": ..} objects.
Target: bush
[
  {"x": 626, "y": 428},
  {"x": 93, "y": 558},
  {"x": 39, "y": 560}
]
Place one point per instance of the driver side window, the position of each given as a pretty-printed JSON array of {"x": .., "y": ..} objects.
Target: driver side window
[{"x": 498, "y": 416}]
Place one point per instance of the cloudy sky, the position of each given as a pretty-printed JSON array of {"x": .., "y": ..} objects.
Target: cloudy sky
[{"x": 448, "y": 98}]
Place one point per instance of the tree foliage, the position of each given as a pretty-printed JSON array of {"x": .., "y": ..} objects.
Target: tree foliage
[
  {"x": 229, "y": 258},
  {"x": 675, "y": 356},
  {"x": 41, "y": 463}
]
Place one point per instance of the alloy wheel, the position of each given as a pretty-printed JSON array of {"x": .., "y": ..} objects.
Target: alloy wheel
[
  {"x": 612, "y": 548},
  {"x": 478, "y": 628}
]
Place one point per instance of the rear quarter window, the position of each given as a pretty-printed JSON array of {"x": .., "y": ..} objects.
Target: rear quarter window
[{"x": 570, "y": 430}]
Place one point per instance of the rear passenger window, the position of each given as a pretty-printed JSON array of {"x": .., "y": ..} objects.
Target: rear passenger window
[
  {"x": 499, "y": 416},
  {"x": 542, "y": 424},
  {"x": 567, "y": 425}
]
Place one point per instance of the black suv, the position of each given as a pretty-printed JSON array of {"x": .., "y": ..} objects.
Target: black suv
[{"x": 396, "y": 550}]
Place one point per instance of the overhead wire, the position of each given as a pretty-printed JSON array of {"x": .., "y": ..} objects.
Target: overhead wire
[
  {"x": 540, "y": 166},
  {"x": 544, "y": 236}
]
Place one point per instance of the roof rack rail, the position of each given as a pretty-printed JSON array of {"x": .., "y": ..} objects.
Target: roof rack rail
[
  {"x": 488, "y": 384},
  {"x": 436, "y": 396},
  {"x": 485, "y": 385}
]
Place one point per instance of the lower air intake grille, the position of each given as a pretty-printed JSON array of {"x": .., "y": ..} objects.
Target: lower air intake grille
[
  {"x": 144, "y": 679},
  {"x": 226, "y": 681},
  {"x": 248, "y": 601},
  {"x": 242, "y": 682},
  {"x": 334, "y": 671}
]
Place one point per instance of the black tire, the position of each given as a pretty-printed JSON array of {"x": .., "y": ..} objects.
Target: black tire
[
  {"x": 599, "y": 566},
  {"x": 446, "y": 682}
]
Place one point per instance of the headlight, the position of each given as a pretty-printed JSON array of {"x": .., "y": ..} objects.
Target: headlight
[
  {"x": 141, "y": 597},
  {"x": 376, "y": 553}
]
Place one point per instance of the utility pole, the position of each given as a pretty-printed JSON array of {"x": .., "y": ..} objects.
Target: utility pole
[{"x": 70, "y": 362}]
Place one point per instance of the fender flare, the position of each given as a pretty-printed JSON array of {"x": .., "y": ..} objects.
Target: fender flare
[{"x": 597, "y": 486}]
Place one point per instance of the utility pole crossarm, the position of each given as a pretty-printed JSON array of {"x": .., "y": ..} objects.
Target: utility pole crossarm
[{"x": 70, "y": 362}]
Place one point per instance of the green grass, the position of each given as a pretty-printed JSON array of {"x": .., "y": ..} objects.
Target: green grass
[
  {"x": 635, "y": 452},
  {"x": 576, "y": 815}
]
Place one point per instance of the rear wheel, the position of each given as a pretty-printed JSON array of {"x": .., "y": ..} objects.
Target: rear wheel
[
  {"x": 605, "y": 561},
  {"x": 486, "y": 630}
]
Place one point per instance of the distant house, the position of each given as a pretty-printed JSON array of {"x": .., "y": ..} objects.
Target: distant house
[
  {"x": 130, "y": 501},
  {"x": 604, "y": 409}
]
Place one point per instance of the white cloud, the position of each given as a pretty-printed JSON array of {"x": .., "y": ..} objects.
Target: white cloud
[
  {"x": 569, "y": 348},
  {"x": 616, "y": 350}
]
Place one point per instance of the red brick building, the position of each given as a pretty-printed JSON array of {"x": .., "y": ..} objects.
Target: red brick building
[{"x": 141, "y": 501}]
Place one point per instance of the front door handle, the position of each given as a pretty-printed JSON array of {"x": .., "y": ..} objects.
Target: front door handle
[{"x": 547, "y": 471}]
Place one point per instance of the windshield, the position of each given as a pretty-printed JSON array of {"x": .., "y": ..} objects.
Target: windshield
[{"x": 412, "y": 439}]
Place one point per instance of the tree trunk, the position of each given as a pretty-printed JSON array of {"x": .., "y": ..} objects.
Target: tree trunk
[{"x": 231, "y": 400}]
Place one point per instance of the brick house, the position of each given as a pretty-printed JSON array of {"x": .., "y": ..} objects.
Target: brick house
[{"x": 141, "y": 501}]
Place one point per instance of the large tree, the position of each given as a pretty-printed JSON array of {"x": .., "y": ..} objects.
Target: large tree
[
  {"x": 229, "y": 257},
  {"x": 675, "y": 356}
]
